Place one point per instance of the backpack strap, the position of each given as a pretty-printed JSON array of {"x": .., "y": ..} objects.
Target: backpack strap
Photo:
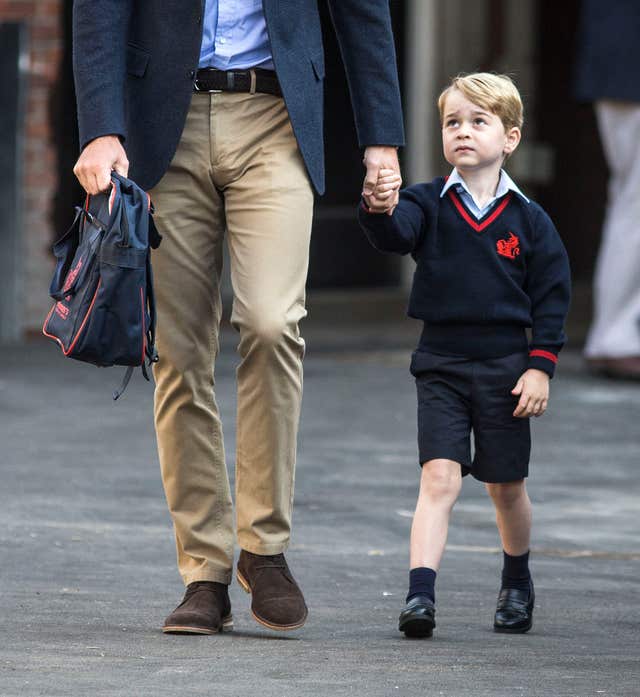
[
  {"x": 125, "y": 381},
  {"x": 152, "y": 354},
  {"x": 154, "y": 236}
]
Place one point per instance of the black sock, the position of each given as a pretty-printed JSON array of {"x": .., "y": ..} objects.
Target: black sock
[
  {"x": 421, "y": 582},
  {"x": 515, "y": 572}
]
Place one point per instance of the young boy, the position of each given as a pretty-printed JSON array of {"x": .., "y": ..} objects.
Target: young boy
[{"x": 490, "y": 264}]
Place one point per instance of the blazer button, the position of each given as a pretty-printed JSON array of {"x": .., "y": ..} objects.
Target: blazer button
[{"x": 191, "y": 74}]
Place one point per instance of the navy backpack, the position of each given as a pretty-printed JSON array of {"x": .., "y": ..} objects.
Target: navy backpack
[{"x": 104, "y": 311}]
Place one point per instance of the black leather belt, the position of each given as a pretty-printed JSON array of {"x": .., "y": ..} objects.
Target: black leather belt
[{"x": 253, "y": 80}]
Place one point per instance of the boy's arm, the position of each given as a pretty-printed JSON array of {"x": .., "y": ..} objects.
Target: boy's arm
[
  {"x": 401, "y": 232},
  {"x": 549, "y": 288}
]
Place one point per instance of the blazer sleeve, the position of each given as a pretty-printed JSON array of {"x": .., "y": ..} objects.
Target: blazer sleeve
[
  {"x": 363, "y": 28},
  {"x": 549, "y": 289},
  {"x": 99, "y": 49}
]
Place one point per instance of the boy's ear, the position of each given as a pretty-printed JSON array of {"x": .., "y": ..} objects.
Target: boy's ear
[{"x": 512, "y": 139}]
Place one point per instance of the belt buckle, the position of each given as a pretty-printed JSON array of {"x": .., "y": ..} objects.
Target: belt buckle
[{"x": 197, "y": 88}]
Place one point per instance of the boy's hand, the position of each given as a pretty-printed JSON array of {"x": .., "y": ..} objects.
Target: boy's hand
[
  {"x": 385, "y": 190},
  {"x": 533, "y": 388}
]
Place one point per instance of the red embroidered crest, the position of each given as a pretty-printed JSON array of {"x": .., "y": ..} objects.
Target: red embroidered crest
[{"x": 509, "y": 248}]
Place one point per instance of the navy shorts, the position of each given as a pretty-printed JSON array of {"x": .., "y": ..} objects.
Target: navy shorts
[{"x": 459, "y": 395}]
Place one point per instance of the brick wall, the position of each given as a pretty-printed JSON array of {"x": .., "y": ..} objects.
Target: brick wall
[{"x": 44, "y": 34}]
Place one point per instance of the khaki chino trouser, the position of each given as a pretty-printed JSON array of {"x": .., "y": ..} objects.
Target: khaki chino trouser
[{"x": 237, "y": 169}]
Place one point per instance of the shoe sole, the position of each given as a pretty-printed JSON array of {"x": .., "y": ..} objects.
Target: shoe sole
[
  {"x": 269, "y": 625},
  {"x": 420, "y": 628},
  {"x": 509, "y": 630},
  {"x": 227, "y": 626}
]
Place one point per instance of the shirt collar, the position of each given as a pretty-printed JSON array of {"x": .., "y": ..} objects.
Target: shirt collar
[{"x": 505, "y": 184}]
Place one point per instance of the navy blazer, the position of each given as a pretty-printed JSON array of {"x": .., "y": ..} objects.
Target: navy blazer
[
  {"x": 135, "y": 61},
  {"x": 607, "y": 60}
]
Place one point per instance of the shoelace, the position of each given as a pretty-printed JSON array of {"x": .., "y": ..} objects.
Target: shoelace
[
  {"x": 199, "y": 586},
  {"x": 272, "y": 561}
]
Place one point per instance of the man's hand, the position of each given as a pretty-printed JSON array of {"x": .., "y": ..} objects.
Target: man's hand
[
  {"x": 385, "y": 189},
  {"x": 96, "y": 161},
  {"x": 376, "y": 158},
  {"x": 533, "y": 388}
]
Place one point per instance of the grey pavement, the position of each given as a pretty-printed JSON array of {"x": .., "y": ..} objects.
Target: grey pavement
[{"x": 87, "y": 570}]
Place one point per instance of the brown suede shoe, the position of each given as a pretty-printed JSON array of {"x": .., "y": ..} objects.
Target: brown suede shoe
[
  {"x": 205, "y": 609},
  {"x": 622, "y": 368},
  {"x": 276, "y": 600}
]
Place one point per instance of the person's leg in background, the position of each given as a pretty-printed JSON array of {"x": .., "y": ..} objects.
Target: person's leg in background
[{"x": 613, "y": 344}]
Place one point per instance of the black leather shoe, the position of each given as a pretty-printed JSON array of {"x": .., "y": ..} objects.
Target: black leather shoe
[
  {"x": 514, "y": 612},
  {"x": 417, "y": 620}
]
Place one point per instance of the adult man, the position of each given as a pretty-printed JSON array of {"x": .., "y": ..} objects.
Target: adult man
[{"x": 219, "y": 107}]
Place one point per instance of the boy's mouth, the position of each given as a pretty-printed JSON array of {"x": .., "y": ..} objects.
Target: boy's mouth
[{"x": 463, "y": 148}]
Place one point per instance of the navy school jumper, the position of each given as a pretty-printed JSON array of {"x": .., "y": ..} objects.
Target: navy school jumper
[{"x": 479, "y": 284}]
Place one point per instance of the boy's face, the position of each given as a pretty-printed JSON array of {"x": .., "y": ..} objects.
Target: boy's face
[{"x": 473, "y": 138}]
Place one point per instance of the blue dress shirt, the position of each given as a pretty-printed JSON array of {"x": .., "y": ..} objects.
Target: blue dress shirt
[
  {"x": 505, "y": 184},
  {"x": 234, "y": 36}
]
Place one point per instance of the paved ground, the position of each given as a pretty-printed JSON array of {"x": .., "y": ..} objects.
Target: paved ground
[{"x": 87, "y": 571}]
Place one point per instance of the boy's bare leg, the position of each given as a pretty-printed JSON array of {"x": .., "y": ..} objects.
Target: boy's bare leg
[
  {"x": 513, "y": 515},
  {"x": 439, "y": 488},
  {"x": 516, "y": 599}
]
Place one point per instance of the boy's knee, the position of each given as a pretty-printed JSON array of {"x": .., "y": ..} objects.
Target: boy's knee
[
  {"x": 506, "y": 493},
  {"x": 441, "y": 480}
]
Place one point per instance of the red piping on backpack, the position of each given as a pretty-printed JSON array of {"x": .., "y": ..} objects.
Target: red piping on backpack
[
  {"x": 543, "y": 354},
  {"x": 77, "y": 336}
]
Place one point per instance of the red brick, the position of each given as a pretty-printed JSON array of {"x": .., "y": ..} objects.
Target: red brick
[
  {"x": 12, "y": 14},
  {"x": 50, "y": 8},
  {"x": 28, "y": 5},
  {"x": 40, "y": 177}
]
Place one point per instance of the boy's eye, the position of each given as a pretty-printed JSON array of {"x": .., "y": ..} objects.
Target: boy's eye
[
  {"x": 480, "y": 120},
  {"x": 451, "y": 122}
]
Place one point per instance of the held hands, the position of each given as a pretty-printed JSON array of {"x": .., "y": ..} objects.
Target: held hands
[
  {"x": 97, "y": 160},
  {"x": 533, "y": 388},
  {"x": 382, "y": 164},
  {"x": 385, "y": 192}
]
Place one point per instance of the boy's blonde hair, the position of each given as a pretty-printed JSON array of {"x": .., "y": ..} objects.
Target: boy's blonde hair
[{"x": 495, "y": 93}]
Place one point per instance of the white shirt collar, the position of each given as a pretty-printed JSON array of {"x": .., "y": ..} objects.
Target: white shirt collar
[{"x": 505, "y": 183}]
